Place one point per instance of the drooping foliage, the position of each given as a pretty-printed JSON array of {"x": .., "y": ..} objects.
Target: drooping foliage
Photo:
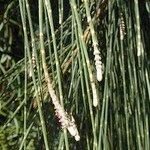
[{"x": 74, "y": 74}]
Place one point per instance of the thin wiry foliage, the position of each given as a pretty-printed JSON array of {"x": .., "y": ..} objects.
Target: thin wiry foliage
[{"x": 84, "y": 67}]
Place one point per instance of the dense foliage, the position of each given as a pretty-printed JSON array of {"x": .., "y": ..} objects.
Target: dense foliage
[{"x": 87, "y": 59}]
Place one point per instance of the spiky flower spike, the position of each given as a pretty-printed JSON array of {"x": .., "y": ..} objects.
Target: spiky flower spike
[
  {"x": 122, "y": 27},
  {"x": 67, "y": 122},
  {"x": 98, "y": 63},
  {"x": 64, "y": 118}
]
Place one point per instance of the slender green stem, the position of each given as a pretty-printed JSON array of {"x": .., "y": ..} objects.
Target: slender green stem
[{"x": 32, "y": 72}]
